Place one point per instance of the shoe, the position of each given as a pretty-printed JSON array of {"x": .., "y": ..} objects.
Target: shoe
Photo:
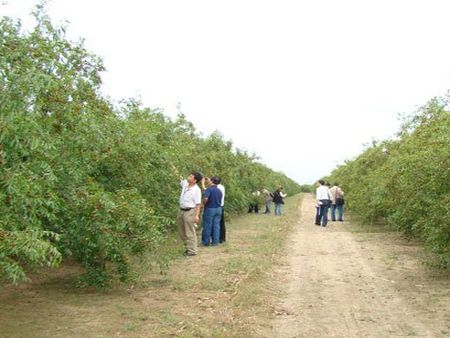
[
  {"x": 188, "y": 253},
  {"x": 317, "y": 224}
]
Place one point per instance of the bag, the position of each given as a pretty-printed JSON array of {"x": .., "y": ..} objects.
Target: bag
[
  {"x": 339, "y": 201},
  {"x": 277, "y": 199}
]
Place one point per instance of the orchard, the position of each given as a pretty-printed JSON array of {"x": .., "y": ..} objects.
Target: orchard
[
  {"x": 405, "y": 181},
  {"x": 85, "y": 180}
]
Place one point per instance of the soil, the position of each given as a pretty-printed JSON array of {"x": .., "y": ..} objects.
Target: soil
[
  {"x": 337, "y": 282},
  {"x": 343, "y": 280}
]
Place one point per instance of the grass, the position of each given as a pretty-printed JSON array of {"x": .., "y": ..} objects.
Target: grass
[{"x": 221, "y": 292}]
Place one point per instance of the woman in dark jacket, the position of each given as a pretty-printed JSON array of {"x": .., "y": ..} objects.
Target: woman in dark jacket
[{"x": 278, "y": 197}]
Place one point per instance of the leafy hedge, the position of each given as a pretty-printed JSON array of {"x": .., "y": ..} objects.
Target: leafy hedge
[
  {"x": 406, "y": 181},
  {"x": 81, "y": 178}
]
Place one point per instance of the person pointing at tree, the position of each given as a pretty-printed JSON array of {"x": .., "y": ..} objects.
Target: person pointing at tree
[{"x": 189, "y": 211}]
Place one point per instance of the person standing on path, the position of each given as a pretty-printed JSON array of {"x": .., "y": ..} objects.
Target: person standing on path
[
  {"x": 254, "y": 202},
  {"x": 268, "y": 196},
  {"x": 337, "y": 202},
  {"x": 212, "y": 199},
  {"x": 278, "y": 199},
  {"x": 189, "y": 212},
  {"x": 323, "y": 198},
  {"x": 223, "y": 230}
]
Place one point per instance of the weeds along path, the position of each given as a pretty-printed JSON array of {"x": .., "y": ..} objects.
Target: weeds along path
[
  {"x": 221, "y": 292},
  {"x": 338, "y": 283},
  {"x": 321, "y": 282}
]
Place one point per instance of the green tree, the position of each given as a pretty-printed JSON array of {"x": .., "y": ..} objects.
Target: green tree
[
  {"x": 82, "y": 178},
  {"x": 406, "y": 181}
]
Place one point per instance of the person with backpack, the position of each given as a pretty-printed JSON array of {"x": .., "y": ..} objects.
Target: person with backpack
[
  {"x": 278, "y": 200},
  {"x": 337, "y": 202}
]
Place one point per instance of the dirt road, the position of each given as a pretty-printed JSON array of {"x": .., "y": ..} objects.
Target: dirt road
[{"x": 338, "y": 283}]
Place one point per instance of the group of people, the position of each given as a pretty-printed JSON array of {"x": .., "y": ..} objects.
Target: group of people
[
  {"x": 194, "y": 198},
  {"x": 191, "y": 204},
  {"x": 277, "y": 197},
  {"x": 329, "y": 198}
]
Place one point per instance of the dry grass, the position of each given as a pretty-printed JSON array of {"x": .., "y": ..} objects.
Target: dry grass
[{"x": 221, "y": 292}]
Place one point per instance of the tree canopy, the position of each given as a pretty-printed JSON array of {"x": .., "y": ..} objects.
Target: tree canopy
[{"x": 81, "y": 178}]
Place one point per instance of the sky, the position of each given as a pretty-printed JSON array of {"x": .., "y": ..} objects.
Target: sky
[{"x": 302, "y": 84}]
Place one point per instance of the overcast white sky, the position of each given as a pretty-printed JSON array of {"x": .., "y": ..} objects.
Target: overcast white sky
[{"x": 303, "y": 84}]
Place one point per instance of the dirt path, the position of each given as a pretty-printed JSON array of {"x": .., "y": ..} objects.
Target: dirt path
[{"x": 337, "y": 283}]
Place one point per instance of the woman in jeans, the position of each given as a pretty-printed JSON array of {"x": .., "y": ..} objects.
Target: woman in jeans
[{"x": 278, "y": 197}]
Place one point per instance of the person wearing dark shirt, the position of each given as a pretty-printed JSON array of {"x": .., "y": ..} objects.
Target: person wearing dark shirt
[
  {"x": 278, "y": 199},
  {"x": 212, "y": 200},
  {"x": 223, "y": 230}
]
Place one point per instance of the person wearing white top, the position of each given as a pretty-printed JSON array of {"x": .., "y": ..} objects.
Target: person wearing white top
[
  {"x": 254, "y": 202},
  {"x": 323, "y": 198},
  {"x": 337, "y": 202},
  {"x": 189, "y": 212},
  {"x": 223, "y": 230}
]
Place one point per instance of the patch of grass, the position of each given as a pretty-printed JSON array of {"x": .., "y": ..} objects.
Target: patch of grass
[
  {"x": 393, "y": 256},
  {"x": 358, "y": 225},
  {"x": 129, "y": 326},
  {"x": 237, "y": 266},
  {"x": 262, "y": 252},
  {"x": 218, "y": 293}
]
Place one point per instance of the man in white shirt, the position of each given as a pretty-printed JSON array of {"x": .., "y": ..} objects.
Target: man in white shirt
[
  {"x": 323, "y": 199},
  {"x": 189, "y": 213},
  {"x": 254, "y": 202}
]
